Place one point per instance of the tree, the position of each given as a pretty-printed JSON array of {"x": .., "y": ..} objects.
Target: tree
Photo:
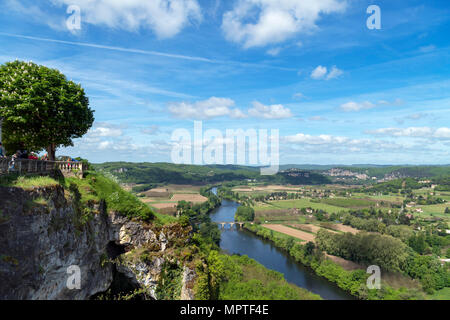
[
  {"x": 244, "y": 213},
  {"x": 40, "y": 108}
]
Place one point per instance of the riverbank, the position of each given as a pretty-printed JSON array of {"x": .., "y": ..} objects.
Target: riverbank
[
  {"x": 242, "y": 242},
  {"x": 353, "y": 282}
]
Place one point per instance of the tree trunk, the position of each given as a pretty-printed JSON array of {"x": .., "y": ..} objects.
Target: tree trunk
[{"x": 51, "y": 150}]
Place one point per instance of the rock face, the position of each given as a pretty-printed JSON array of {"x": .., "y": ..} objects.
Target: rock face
[{"x": 42, "y": 236}]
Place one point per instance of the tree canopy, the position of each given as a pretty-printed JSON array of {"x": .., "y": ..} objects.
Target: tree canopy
[{"x": 40, "y": 108}]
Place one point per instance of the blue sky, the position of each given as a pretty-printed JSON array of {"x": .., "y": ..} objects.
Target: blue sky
[{"x": 338, "y": 92}]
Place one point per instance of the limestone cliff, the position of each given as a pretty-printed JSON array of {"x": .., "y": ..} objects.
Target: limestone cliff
[{"x": 43, "y": 232}]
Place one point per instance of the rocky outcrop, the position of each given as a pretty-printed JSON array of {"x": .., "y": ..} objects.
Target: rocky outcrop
[
  {"x": 43, "y": 236},
  {"x": 188, "y": 281}
]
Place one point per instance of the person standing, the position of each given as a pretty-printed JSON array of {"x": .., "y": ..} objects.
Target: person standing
[{"x": 2, "y": 151}]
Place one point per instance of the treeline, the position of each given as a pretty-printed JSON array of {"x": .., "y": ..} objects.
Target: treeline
[
  {"x": 366, "y": 248},
  {"x": 226, "y": 192},
  {"x": 443, "y": 183},
  {"x": 393, "y": 186},
  {"x": 404, "y": 171},
  {"x": 388, "y": 253},
  {"x": 143, "y": 187},
  {"x": 354, "y": 282}
]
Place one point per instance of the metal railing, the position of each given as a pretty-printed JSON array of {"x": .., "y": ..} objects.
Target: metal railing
[{"x": 28, "y": 166}]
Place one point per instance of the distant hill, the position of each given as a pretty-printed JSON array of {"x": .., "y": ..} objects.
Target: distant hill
[
  {"x": 380, "y": 171},
  {"x": 144, "y": 173}
]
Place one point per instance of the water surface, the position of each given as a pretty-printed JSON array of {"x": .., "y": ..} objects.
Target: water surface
[{"x": 243, "y": 242}]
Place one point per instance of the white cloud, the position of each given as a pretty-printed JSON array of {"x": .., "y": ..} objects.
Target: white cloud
[
  {"x": 34, "y": 13},
  {"x": 206, "y": 109},
  {"x": 274, "y": 51},
  {"x": 165, "y": 18},
  {"x": 356, "y": 106},
  {"x": 315, "y": 140},
  {"x": 396, "y": 102},
  {"x": 299, "y": 96},
  {"x": 319, "y": 73},
  {"x": 412, "y": 117},
  {"x": 442, "y": 133},
  {"x": 256, "y": 23},
  {"x": 353, "y": 106},
  {"x": 105, "y": 130},
  {"x": 152, "y": 130},
  {"x": 415, "y": 132},
  {"x": 334, "y": 73},
  {"x": 325, "y": 143},
  {"x": 317, "y": 118},
  {"x": 427, "y": 49},
  {"x": 276, "y": 111}
]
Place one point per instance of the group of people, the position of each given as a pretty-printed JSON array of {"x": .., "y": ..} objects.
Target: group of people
[{"x": 22, "y": 154}]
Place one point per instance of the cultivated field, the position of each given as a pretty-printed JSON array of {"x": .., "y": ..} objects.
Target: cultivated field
[
  {"x": 345, "y": 228},
  {"x": 305, "y": 236},
  {"x": 298, "y": 203},
  {"x": 195, "y": 198},
  {"x": 166, "y": 198},
  {"x": 306, "y": 227}
]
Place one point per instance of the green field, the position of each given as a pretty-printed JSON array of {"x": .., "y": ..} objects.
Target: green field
[
  {"x": 437, "y": 210},
  {"x": 299, "y": 203},
  {"x": 390, "y": 198},
  {"x": 353, "y": 203},
  {"x": 443, "y": 294}
]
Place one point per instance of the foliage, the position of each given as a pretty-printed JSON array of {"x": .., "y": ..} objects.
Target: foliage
[
  {"x": 394, "y": 186},
  {"x": 143, "y": 188},
  {"x": 371, "y": 248},
  {"x": 97, "y": 187},
  {"x": 244, "y": 213},
  {"x": 429, "y": 270},
  {"x": 169, "y": 283},
  {"x": 142, "y": 173},
  {"x": 27, "y": 182},
  {"x": 41, "y": 109},
  {"x": 353, "y": 282},
  {"x": 241, "y": 278}
]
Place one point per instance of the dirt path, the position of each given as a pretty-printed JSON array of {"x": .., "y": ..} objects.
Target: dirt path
[{"x": 291, "y": 232}]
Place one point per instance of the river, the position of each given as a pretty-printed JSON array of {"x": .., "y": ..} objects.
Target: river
[{"x": 244, "y": 242}]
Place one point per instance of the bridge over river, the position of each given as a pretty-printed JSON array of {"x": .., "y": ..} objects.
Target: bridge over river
[{"x": 239, "y": 223}]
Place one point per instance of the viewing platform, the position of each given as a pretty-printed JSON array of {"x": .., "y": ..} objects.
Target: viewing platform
[{"x": 28, "y": 166}]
